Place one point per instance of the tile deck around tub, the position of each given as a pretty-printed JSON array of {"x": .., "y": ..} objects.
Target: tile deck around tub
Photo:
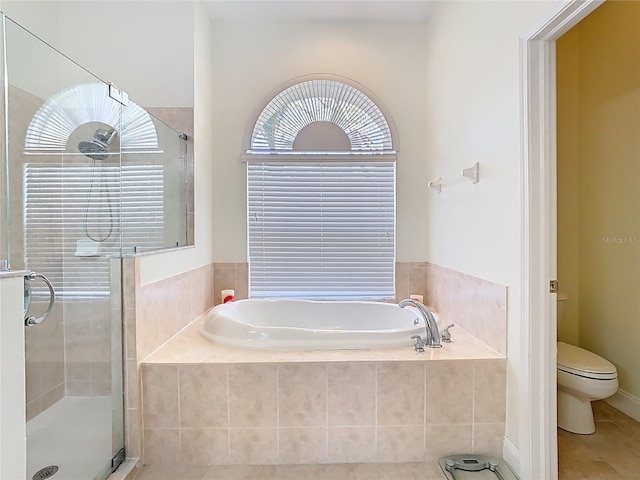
[
  {"x": 374, "y": 471},
  {"x": 189, "y": 346}
]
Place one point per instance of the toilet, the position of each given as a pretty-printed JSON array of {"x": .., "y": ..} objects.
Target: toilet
[{"x": 583, "y": 377}]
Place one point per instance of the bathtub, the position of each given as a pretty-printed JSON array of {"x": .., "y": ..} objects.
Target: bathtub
[{"x": 312, "y": 325}]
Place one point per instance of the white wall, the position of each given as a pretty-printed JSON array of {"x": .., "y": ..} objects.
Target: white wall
[
  {"x": 473, "y": 114},
  {"x": 144, "y": 47},
  {"x": 163, "y": 265},
  {"x": 254, "y": 59},
  {"x": 39, "y": 17}
]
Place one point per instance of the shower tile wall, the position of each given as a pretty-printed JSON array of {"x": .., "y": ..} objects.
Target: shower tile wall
[
  {"x": 44, "y": 345},
  {"x": 153, "y": 313},
  {"x": 87, "y": 332},
  {"x": 181, "y": 120},
  {"x": 44, "y": 352}
]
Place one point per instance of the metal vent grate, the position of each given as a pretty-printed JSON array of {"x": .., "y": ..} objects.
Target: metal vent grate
[{"x": 46, "y": 472}]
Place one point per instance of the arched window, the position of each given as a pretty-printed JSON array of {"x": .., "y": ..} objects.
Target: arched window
[
  {"x": 321, "y": 195},
  {"x": 79, "y": 207}
]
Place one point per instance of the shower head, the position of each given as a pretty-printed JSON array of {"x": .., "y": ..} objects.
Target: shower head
[{"x": 96, "y": 149}]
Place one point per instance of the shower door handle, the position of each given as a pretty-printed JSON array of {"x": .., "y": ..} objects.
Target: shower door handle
[{"x": 30, "y": 320}]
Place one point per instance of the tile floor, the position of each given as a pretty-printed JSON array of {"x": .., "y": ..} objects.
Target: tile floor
[
  {"x": 611, "y": 453},
  {"x": 380, "y": 471}
]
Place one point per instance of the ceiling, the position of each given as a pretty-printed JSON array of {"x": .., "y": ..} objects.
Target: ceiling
[{"x": 415, "y": 11}]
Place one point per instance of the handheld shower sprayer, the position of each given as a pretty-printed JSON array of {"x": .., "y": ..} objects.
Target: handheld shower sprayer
[{"x": 96, "y": 150}]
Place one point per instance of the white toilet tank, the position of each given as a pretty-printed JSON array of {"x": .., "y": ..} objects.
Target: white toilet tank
[{"x": 562, "y": 301}]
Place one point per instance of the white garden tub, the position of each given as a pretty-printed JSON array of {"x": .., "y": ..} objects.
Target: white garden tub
[{"x": 312, "y": 325}]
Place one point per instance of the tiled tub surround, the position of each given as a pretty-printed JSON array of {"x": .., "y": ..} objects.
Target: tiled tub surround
[
  {"x": 209, "y": 404},
  {"x": 411, "y": 278},
  {"x": 477, "y": 305},
  {"x": 154, "y": 313}
]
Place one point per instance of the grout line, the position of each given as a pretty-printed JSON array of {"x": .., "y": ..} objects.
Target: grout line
[
  {"x": 473, "y": 407},
  {"x": 375, "y": 412},
  {"x": 326, "y": 410},
  {"x": 228, "y": 375},
  {"x": 179, "y": 415},
  {"x": 278, "y": 366}
]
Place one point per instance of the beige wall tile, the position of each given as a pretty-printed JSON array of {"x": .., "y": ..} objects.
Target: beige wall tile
[
  {"x": 418, "y": 279},
  {"x": 352, "y": 444},
  {"x": 242, "y": 281},
  {"x": 132, "y": 433},
  {"x": 402, "y": 281},
  {"x": 78, "y": 371},
  {"x": 223, "y": 278},
  {"x": 490, "y": 391},
  {"x": 200, "y": 446},
  {"x": 401, "y": 393},
  {"x": 79, "y": 389},
  {"x": 400, "y": 444},
  {"x": 449, "y": 392},
  {"x": 477, "y": 305},
  {"x": 34, "y": 408},
  {"x": 302, "y": 395},
  {"x": 253, "y": 446},
  {"x": 159, "y": 396},
  {"x": 488, "y": 438},
  {"x": 132, "y": 384},
  {"x": 302, "y": 445},
  {"x": 350, "y": 397},
  {"x": 53, "y": 396},
  {"x": 203, "y": 396},
  {"x": 252, "y": 395},
  {"x": 443, "y": 440},
  {"x": 161, "y": 446}
]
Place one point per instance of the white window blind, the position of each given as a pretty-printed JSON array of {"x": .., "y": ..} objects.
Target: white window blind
[
  {"x": 125, "y": 207},
  {"x": 321, "y": 230}
]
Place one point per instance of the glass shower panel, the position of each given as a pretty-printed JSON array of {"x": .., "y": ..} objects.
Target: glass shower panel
[
  {"x": 154, "y": 187},
  {"x": 63, "y": 185},
  {"x": 4, "y": 191}
]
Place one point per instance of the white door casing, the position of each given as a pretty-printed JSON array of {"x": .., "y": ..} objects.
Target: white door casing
[{"x": 537, "y": 449}]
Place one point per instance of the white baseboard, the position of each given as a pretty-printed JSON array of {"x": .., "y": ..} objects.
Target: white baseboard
[
  {"x": 626, "y": 403},
  {"x": 511, "y": 455}
]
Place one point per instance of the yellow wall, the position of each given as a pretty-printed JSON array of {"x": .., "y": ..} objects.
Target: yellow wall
[
  {"x": 568, "y": 183},
  {"x": 598, "y": 150}
]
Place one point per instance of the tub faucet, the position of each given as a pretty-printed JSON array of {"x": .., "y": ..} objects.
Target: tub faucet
[{"x": 432, "y": 338}]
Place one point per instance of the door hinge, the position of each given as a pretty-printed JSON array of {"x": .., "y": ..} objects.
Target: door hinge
[
  {"x": 553, "y": 286},
  {"x": 118, "y": 95}
]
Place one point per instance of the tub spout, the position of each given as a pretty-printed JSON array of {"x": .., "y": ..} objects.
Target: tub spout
[{"x": 432, "y": 338}]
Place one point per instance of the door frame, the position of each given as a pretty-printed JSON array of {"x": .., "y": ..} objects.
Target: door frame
[{"x": 538, "y": 443}]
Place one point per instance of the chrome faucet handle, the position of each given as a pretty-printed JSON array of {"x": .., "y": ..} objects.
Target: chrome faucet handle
[
  {"x": 418, "y": 343},
  {"x": 446, "y": 335}
]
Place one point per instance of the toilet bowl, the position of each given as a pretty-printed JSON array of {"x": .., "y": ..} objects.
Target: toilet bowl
[{"x": 583, "y": 377}]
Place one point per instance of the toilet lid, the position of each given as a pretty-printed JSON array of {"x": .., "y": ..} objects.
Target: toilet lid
[{"x": 582, "y": 362}]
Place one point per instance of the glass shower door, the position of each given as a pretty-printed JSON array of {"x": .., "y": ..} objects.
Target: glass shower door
[{"x": 63, "y": 184}]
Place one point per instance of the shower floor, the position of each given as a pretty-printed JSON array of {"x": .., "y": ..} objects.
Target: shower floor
[{"x": 75, "y": 435}]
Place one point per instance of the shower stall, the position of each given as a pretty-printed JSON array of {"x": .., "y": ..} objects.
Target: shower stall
[{"x": 87, "y": 176}]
